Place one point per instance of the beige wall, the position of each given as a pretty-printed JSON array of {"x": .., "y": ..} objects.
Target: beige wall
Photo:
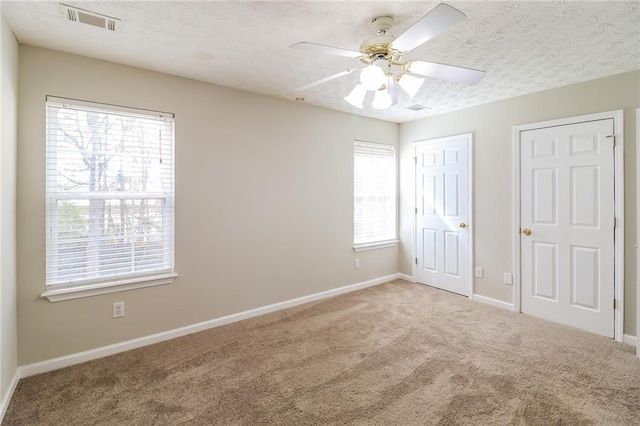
[
  {"x": 8, "y": 138},
  {"x": 264, "y": 196},
  {"x": 264, "y": 202},
  {"x": 491, "y": 125}
]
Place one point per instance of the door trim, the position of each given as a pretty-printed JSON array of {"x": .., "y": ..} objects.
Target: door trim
[
  {"x": 618, "y": 181},
  {"x": 414, "y": 248},
  {"x": 638, "y": 233}
]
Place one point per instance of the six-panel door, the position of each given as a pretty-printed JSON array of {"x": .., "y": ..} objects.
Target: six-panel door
[
  {"x": 442, "y": 214},
  {"x": 567, "y": 220}
]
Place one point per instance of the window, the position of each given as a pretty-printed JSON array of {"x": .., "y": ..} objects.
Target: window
[
  {"x": 110, "y": 196},
  {"x": 374, "y": 195}
]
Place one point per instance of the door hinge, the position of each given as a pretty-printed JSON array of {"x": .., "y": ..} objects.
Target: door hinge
[
  {"x": 613, "y": 138},
  {"x": 416, "y": 210},
  {"x": 615, "y": 222},
  {"x": 415, "y": 160},
  {"x": 614, "y": 304},
  {"x": 416, "y": 260}
]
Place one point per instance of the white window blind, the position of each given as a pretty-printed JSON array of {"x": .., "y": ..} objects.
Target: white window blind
[
  {"x": 109, "y": 191},
  {"x": 374, "y": 193}
]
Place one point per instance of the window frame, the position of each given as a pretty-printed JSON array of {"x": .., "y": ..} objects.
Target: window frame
[
  {"x": 118, "y": 281},
  {"x": 386, "y": 242}
]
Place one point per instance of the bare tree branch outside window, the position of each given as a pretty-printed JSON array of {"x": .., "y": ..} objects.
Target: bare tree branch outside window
[{"x": 108, "y": 191}]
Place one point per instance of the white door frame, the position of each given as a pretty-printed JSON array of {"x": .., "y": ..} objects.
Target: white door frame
[
  {"x": 638, "y": 232},
  {"x": 618, "y": 156},
  {"x": 414, "y": 248}
]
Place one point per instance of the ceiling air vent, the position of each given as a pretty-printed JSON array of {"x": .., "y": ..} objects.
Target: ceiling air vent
[
  {"x": 417, "y": 107},
  {"x": 82, "y": 16}
]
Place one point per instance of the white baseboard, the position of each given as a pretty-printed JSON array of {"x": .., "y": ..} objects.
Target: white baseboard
[
  {"x": 6, "y": 398},
  {"x": 406, "y": 277},
  {"x": 493, "y": 302},
  {"x": 80, "y": 357},
  {"x": 630, "y": 340}
]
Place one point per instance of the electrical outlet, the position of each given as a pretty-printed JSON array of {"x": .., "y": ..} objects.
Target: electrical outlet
[
  {"x": 118, "y": 309},
  {"x": 356, "y": 264},
  {"x": 508, "y": 278},
  {"x": 479, "y": 272}
]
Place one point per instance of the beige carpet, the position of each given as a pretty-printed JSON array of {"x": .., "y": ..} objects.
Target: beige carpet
[{"x": 395, "y": 354}]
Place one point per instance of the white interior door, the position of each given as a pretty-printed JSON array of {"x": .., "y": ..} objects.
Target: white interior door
[
  {"x": 567, "y": 224},
  {"x": 442, "y": 213}
]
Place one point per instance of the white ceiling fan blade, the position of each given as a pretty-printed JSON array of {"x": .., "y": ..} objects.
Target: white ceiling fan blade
[
  {"x": 320, "y": 48},
  {"x": 324, "y": 80},
  {"x": 445, "y": 72},
  {"x": 439, "y": 20}
]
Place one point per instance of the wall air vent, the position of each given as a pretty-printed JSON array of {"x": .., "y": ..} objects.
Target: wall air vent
[
  {"x": 82, "y": 16},
  {"x": 417, "y": 107}
]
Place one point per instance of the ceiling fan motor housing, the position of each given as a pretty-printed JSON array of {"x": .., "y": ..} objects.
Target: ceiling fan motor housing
[{"x": 377, "y": 47}]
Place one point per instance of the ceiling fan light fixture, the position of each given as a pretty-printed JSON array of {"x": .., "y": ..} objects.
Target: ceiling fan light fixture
[
  {"x": 356, "y": 97},
  {"x": 372, "y": 76},
  {"x": 382, "y": 99},
  {"x": 383, "y": 54},
  {"x": 410, "y": 84}
]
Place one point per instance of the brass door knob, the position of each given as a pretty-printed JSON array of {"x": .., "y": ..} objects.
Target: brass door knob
[
  {"x": 526, "y": 231},
  {"x": 463, "y": 225}
]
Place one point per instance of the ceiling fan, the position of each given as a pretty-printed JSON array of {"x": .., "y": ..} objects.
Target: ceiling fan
[{"x": 385, "y": 68}]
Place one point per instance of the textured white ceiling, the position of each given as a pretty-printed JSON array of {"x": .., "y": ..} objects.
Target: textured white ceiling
[{"x": 525, "y": 46}]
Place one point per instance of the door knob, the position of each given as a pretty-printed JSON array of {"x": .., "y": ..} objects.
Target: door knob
[
  {"x": 526, "y": 231},
  {"x": 463, "y": 225}
]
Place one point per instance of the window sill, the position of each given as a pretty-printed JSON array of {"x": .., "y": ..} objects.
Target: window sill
[
  {"x": 77, "y": 292},
  {"x": 375, "y": 246}
]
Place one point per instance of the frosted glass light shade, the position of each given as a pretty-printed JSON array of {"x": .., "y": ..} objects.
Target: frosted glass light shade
[
  {"x": 372, "y": 77},
  {"x": 382, "y": 100},
  {"x": 356, "y": 97},
  {"x": 410, "y": 84}
]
